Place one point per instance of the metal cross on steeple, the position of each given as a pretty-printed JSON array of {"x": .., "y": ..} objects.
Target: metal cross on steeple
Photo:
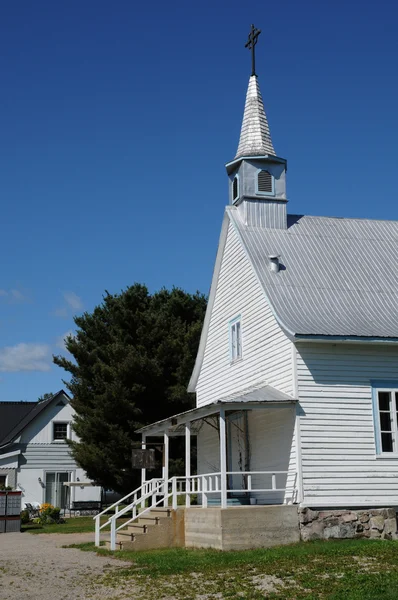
[{"x": 251, "y": 43}]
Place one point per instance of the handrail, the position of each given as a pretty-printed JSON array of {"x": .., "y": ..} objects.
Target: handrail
[{"x": 125, "y": 497}]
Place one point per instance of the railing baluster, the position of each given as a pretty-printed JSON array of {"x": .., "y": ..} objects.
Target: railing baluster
[
  {"x": 174, "y": 493},
  {"x": 204, "y": 492},
  {"x": 273, "y": 481},
  {"x": 249, "y": 483},
  {"x": 113, "y": 534},
  {"x": 97, "y": 530}
]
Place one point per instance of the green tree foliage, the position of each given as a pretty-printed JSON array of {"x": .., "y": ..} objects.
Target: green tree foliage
[
  {"x": 45, "y": 396},
  {"x": 133, "y": 357}
]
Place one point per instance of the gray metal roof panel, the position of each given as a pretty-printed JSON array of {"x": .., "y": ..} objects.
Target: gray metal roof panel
[{"x": 338, "y": 277}]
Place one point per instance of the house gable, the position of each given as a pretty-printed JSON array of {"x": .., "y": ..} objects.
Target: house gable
[
  {"x": 266, "y": 350},
  {"x": 40, "y": 430}
]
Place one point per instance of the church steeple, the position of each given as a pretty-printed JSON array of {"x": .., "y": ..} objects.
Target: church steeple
[
  {"x": 255, "y": 138},
  {"x": 257, "y": 175}
]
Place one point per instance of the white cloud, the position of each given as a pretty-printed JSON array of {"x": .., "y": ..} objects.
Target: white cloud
[
  {"x": 14, "y": 295},
  {"x": 17, "y": 295},
  {"x": 72, "y": 304},
  {"x": 60, "y": 341},
  {"x": 73, "y": 300},
  {"x": 25, "y": 357}
]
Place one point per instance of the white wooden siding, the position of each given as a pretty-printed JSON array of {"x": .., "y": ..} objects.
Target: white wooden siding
[
  {"x": 40, "y": 431},
  {"x": 272, "y": 448},
  {"x": 265, "y": 348},
  {"x": 54, "y": 457},
  {"x": 339, "y": 460}
]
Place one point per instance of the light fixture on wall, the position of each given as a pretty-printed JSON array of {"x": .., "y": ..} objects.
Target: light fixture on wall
[
  {"x": 39, "y": 480},
  {"x": 77, "y": 479}
]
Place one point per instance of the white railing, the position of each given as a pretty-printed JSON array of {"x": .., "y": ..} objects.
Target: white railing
[
  {"x": 156, "y": 492},
  {"x": 210, "y": 483},
  {"x": 139, "y": 497}
]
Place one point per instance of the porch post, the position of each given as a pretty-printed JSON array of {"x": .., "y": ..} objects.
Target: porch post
[
  {"x": 143, "y": 471},
  {"x": 223, "y": 459},
  {"x": 166, "y": 467},
  {"x": 187, "y": 463}
]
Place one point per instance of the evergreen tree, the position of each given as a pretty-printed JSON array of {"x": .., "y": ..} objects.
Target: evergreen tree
[{"x": 133, "y": 357}]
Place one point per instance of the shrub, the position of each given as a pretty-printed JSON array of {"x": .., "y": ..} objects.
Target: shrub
[
  {"x": 49, "y": 514},
  {"x": 25, "y": 517}
]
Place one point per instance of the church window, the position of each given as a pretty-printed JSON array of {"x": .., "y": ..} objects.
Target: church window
[
  {"x": 265, "y": 183},
  {"x": 235, "y": 188},
  {"x": 235, "y": 339},
  {"x": 385, "y": 400}
]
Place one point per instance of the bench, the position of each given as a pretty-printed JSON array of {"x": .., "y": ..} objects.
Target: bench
[{"x": 87, "y": 507}]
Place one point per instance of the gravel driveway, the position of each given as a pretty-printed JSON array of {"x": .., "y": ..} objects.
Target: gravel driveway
[{"x": 36, "y": 567}]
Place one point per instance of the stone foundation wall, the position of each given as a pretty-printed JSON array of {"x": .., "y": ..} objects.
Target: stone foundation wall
[{"x": 375, "y": 523}]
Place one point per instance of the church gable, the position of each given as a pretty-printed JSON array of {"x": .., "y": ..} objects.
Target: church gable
[{"x": 242, "y": 345}]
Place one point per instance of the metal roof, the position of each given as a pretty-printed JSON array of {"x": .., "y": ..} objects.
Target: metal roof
[
  {"x": 254, "y": 396},
  {"x": 338, "y": 277},
  {"x": 255, "y": 137}
]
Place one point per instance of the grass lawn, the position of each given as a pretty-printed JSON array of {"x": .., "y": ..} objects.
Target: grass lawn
[
  {"x": 71, "y": 525},
  {"x": 333, "y": 570}
]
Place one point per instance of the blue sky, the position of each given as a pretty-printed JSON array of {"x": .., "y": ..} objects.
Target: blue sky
[{"x": 116, "y": 120}]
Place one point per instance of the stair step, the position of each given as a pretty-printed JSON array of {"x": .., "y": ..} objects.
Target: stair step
[
  {"x": 124, "y": 534},
  {"x": 148, "y": 520},
  {"x": 159, "y": 512},
  {"x": 135, "y": 528}
]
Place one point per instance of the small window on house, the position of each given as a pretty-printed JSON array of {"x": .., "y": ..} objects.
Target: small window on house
[
  {"x": 265, "y": 183},
  {"x": 235, "y": 188},
  {"x": 3, "y": 481},
  {"x": 235, "y": 339},
  {"x": 60, "y": 431},
  {"x": 386, "y": 421}
]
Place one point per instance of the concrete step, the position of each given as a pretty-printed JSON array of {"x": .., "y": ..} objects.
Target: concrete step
[
  {"x": 148, "y": 520},
  {"x": 160, "y": 512},
  {"x": 123, "y": 536},
  {"x": 135, "y": 528}
]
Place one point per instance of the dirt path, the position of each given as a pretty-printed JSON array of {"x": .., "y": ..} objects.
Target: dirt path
[{"x": 36, "y": 567}]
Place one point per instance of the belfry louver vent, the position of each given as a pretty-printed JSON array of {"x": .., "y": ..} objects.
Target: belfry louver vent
[
  {"x": 235, "y": 188},
  {"x": 265, "y": 183}
]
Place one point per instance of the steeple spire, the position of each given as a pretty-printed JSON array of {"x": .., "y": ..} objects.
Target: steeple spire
[{"x": 255, "y": 138}]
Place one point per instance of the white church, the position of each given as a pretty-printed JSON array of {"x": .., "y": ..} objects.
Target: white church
[{"x": 296, "y": 377}]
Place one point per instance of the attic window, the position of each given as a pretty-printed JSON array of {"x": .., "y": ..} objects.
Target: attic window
[
  {"x": 235, "y": 188},
  {"x": 60, "y": 431},
  {"x": 265, "y": 183}
]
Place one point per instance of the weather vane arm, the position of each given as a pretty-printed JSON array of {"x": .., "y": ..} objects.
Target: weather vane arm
[{"x": 251, "y": 44}]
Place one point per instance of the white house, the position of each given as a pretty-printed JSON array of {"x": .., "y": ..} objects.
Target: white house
[
  {"x": 34, "y": 455},
  {"x": 296, "y": 377}
]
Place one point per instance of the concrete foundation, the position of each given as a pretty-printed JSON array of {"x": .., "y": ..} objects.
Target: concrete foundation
[{"x": 241, "y": 527}]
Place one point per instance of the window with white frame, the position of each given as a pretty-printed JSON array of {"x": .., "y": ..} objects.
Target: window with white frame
[
  {"x": 235, "y": 339},
  {"x": 60, "y": 431},
  {"x": 386, "y": 420}
]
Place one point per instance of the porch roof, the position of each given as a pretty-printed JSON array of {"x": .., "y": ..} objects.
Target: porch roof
[{"x": 247, "y": 400}]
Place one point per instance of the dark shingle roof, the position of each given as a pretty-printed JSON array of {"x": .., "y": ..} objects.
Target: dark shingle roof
[
  {"x": 12, "y": 413},
  {"x": 15, "y": 416}
]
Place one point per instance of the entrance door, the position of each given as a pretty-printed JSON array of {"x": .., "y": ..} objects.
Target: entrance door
[
  {"x": 57, "y": 493},
  {"x": 238, "y": 451}
]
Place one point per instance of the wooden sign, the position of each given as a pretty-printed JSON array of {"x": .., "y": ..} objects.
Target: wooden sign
[{"x": 143, "y": 459}]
